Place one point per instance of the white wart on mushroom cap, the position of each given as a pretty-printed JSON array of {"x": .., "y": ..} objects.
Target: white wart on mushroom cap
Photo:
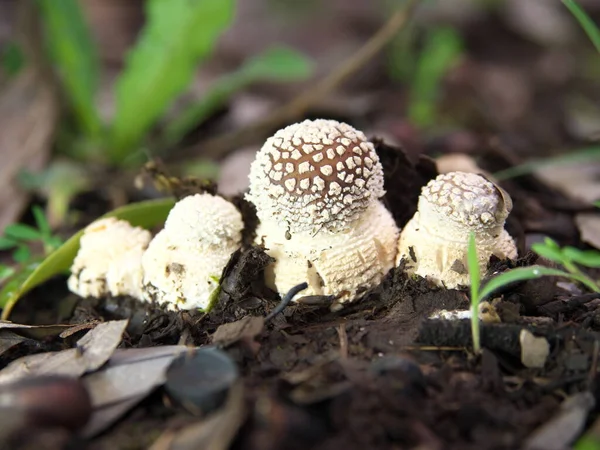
[
  {"x": 315, "y": 175},
  {"x": 184, "y": 262},
  {"x": 316, "y": 186},
  {"x": 109, "y": 260},
  {"x": 434, "y": 242}
]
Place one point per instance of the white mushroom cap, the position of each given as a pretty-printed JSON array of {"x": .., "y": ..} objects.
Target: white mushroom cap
[
  {"x": 183, "y": 263},
  {"x": 204, "y": 219},
  {"x": 109, "y": 259},
  {"x": 450, "y": 208},
  {"x": 342, "y": 264},
  {"x": 315, "y": 175}
]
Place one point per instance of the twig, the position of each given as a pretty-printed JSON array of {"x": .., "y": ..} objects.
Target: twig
[
  {"x": 286, "y": 300},
  {"x": 223, "y": 144},
  {"x": 341, "y": 329}
]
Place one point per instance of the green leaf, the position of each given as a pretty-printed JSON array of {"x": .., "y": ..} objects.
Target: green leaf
[
  {"x": 549, "y": 252},
  {"x": 521, "y": 274},
  {"x": 7, "y": 243},
  {"x": 178, "y": 35},
  {"x": 585, "y": 21},
  {"x": 22, "y": 254},
  {"x": 276, "y": 64},
  {"x": 12, "y": 59},
  {"x": 22, "y": 232},
  {"x": 475, "y": 278},
  {"x": 41, "y": 221},
  {"x": 145, "y": 214},
  {"x": 6, "y": 272},
  {"x": 74, "y": 55},
  {"x": 442, "y": 50},
  {"x": 587, "y": 258}
]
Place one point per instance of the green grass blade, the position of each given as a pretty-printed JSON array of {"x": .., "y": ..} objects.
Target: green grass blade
[
  {"x": 278, "y": 64},
  {"x": 475, "y": 277},
  {"x": 585, "y": 21},
  {"x": 74, "y": 55},
  {"x": 442, "y": 50},
  {"x": 22, "y": 232},
  {"x": 587, "y": 258},
  {"x": 178, "y": 35},
  {"x": 548, "y": 252},
  {"x": 521, "y": 274},
  {"x": 578, "y": 156},
  {"x": 145, "y": 214}
]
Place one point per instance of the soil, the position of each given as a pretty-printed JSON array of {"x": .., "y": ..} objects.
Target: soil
[{"x": 379, "y": 374}]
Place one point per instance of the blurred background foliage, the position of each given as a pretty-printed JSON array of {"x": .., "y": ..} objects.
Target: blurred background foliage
[{"x": 96, "y": 88}]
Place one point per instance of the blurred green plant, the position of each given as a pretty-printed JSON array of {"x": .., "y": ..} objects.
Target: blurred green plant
[
  {"x": 19, "y": 238},
  {"x": 423, "y": 69},
  {"x": 570, "y": 257},
  {"x": 588, "y": 25},
  {"x": 11, "y": 59},
  {"x": 178, "y": 36}
]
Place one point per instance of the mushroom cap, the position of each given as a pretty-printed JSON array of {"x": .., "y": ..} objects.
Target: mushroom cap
[
  {"x": 342, "y": 265},
  {"x": 204, "y": 220},
  {"x": 109, "y": 259},
  {"x": 314, "y": 175},
  {"x": 465, "y": 200},
  {"x": 182, "y": 276}
]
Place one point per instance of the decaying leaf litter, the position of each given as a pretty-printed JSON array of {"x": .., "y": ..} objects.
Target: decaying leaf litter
[{"x": 375, "y": 374}]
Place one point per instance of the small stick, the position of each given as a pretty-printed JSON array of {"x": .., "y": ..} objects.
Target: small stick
[
  {"x": 341, "y": 329},
  {"x": 223, "y": 144},
  {"x": 286, "y": 300}
]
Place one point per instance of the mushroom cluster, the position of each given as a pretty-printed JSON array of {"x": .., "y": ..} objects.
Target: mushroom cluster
[
  {"x": 316, "y": 186},
  {"x": 180, "y": 268},
  {"x": 434, "y": 242}
]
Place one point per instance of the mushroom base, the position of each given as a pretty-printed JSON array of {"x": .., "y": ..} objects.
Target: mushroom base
[
  {"x": 442, "y": 258},
  {"x": 342, "y": 265}
]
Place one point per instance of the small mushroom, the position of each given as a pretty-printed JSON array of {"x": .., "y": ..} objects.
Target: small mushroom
[
  {"x": 316, "y": 187},
  {"x": 183, "y": 263},
  {"x": 109, "y": 260},
  {"x": 434, "y": 242}
]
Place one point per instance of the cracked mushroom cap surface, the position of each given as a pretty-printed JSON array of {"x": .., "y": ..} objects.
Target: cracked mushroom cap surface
[
  {"x": 109, "y": 259},
  {"x": 184, "y": 262},
  {"x": 342, "y": 265},
  {"x": 434, "y": 242},
  {"x": 315, "y": 175}
]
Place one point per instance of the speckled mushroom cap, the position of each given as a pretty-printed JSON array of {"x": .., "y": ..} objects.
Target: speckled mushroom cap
[
  {"x": 315, "y": 175},
  {"x": 467, "y": 199},
  {"x": 204, "y": 220}
]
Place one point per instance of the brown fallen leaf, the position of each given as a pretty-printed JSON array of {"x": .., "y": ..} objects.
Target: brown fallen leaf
[
  {"x": 247, "y": 328},
  {"x": 589, "y": 228},
  {"x": 91, "y": 352},
  {"x": 28, "y": 118}
]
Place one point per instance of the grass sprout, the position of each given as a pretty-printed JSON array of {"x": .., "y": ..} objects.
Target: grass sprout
[{"x": 479, "y": 292}]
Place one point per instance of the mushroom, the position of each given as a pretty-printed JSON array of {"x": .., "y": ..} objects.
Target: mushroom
[
  {"x": 109, "y": 260},
  {"x": 316, "y": 187},
  {"x": 183, "y": 263},
  {"x": 434, "y": 242}
]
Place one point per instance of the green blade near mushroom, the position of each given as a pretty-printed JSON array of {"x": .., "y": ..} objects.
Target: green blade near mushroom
[
  {"x": 316, "y": 186},
  {"x": 434, "y": 242}
]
